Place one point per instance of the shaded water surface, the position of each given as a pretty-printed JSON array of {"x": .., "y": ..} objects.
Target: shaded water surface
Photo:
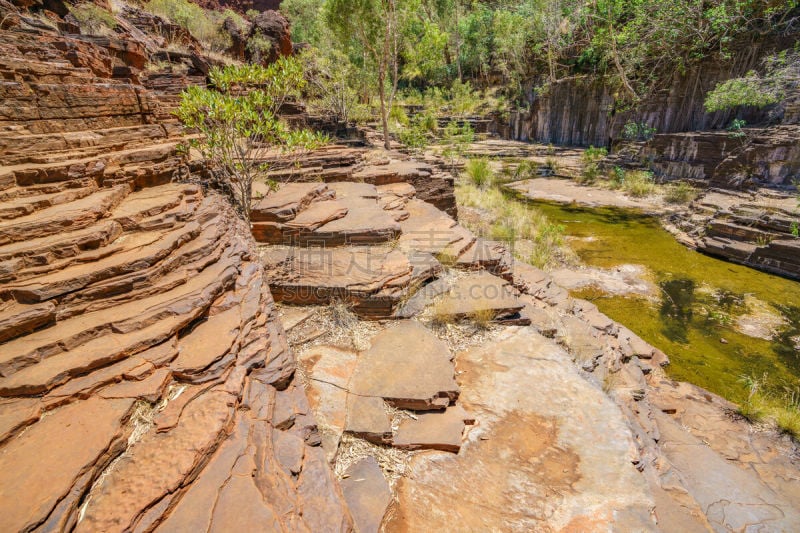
[{"x": 694, "y": 318}]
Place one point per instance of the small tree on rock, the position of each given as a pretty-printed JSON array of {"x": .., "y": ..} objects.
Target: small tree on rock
[{"x": 239, "y": 127}]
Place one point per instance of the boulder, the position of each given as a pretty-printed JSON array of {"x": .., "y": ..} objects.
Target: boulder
[{"x": 269, "y": 29}]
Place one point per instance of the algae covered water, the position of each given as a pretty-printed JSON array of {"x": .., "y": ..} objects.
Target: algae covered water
[{"x": 703, "y": 305}]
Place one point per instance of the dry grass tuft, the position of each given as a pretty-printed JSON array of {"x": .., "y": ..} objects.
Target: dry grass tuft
[
  {"x": 393, "y": 462},
  {"x": 483, "y": 318},
  {"x": 526, "y": 231},
  {"x": 460, "y": 335},
  {"x": 441, "y": 312},
  {"x": 341, "y": 327}
]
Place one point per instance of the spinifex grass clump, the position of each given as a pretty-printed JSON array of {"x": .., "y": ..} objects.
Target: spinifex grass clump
[
  {"x": 639, "y": 183},
  {"x": 479, "y": 172},
  {"x": 782, "y": 410},
  {"x": 680, "y": 193},
  {"x": 513, "y": 222},
  {"x": 591, "y": 164},
  {"x": 239, "y": 125}
]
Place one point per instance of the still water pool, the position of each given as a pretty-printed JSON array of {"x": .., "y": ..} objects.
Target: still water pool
[{"x": 693, "y": 320}]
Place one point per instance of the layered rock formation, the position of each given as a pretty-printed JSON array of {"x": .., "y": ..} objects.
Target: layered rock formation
[
  {"x": 568, "y": 423},
  {"x": 142, "y": 362},
  {"x": 580, "y": 110},
  {"x": 759, "y": 156},
  {"x": 756, "y": 228},
  {"x": 146, "y": 382}
]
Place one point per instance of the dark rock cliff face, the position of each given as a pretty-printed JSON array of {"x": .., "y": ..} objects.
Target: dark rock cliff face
[
  {"x": 580, "y": 110},
  {"x": 764, "y": 156},
  {"x": 242, "y": 6}
]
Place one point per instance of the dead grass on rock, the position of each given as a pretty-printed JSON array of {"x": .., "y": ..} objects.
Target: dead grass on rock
[
  {"x": 460, "y": 335},
  {"x": 393, "y": 462},
  {"x": 340, "y": 327}
]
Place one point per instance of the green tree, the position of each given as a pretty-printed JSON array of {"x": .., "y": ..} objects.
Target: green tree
[
  {"x": 373, "y": 24},
  {"x": 781, "y": 73},
  {"x": 306, "y": 17},
  {"x": 330, "y": 79},
  {"x": 239, "y": 125}
]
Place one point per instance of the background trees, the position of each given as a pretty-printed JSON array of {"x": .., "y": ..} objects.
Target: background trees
[
  {"x": 371, "y": 27},
  {"x": 525, "y": 45}
]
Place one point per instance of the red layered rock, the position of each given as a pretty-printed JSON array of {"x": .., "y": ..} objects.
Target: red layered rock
[{"x": 141, "y": 359}]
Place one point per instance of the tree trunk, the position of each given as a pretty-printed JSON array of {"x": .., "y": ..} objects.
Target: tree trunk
[{"x": 384, "y": 110}]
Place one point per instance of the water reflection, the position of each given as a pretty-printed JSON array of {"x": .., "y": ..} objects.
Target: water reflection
[
  {"x": 678, "y": 296},
  {"x": 786, "y": 343}
]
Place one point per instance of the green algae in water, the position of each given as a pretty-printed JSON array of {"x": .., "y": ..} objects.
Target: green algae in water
[{"x": 701, "y": 299}]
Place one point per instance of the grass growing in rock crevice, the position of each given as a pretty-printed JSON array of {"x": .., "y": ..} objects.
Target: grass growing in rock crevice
[
  {"x": 762, "y": 407},
  {"x": 528, "y": 233}
]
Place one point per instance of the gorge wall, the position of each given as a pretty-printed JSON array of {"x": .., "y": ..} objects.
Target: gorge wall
[{"x": 580, "y": 111}]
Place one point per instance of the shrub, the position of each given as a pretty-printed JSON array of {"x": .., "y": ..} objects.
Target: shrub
[
  {"x": 398, "y": 115},
  {"x": 205, "y": 26},
  {"x": 463, "y": 100},
  {"x": 427, "y": 122},
  {"x": 259, "y": 46},
  {"x": 747, "y": 91},
  {"x": 479, "y": 172},
  {"x": 552, "y": 164},
  {"x": 754, "y": 407},
  {"x": 525, "y": 169},
  {"x": 414, "y": 137},
  {"x": 735, "y": 128},
  {"x": 617, "y": 178},
  {"x": 93, "y": 19},
  {"x": 639, "y": 183},
  {"x": 329, "y": 90},
  {"x": 680, "y": 193},
  {"x": 638, "y": 131},
  {"x": 591, "y": 168},
  {"x": 456, "y": 141},
  {"x": 418, "y": 133},
  {"x": 238, "y": 123}
]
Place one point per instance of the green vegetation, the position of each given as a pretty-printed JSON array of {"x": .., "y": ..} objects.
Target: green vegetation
[
  {"x": 259, "y": 47},
  {"x": 638, "y": 131},
  {"x": 204, "y": 25},
  {"x": 680, "y": 193},
  {"x": 479, "y": 172},
  {"x": 782, "y": 410},
  {"x": 780, "y": 73},
  {"x": 639, "y": 183},
  {"x": 529, "y": 234},
  {"x": 455, "y": 141},
  {"x": 591, "y": 164},
  {"x": 696, "y": 293},
  {"x": 407, "y": 47},
  {"x": 238, "y": 123},
  {"x": 735, "y": 128},
  {"x": 93, "y": 19}
]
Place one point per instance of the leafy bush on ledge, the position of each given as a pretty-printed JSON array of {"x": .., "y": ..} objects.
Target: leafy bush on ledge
[{"x": 239, "y": 124}]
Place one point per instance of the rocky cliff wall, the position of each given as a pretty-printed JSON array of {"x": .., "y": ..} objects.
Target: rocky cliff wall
[
  {"x": 769, "y": 156},
  {"x": 580, "y": 111}
]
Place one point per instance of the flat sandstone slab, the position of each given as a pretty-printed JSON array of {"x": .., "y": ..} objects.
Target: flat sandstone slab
[
  {"x": 480, "y": 293},
  {"x": 408, "y": 366},
  {"x": 550, "y": 452}
]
